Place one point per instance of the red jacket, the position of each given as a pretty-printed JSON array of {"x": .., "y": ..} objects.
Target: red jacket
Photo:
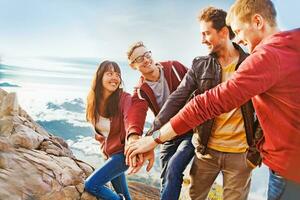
[
  {"x": 271, "y": 77},
  {"x": 143, "y": 96},
  {"x": 115, "y": 141}
]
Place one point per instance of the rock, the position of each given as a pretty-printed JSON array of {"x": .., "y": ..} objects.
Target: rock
[
  {"x": 35, "y": 165},
  {"x": 140, "y": 191},
  {"x": 80, "y": 187},
  {"x": 55, "y": 146},
  {"x": 5, "y": 152},
  {"x": 71, "y": 193},
  {"x": 3, "y": 93},
  {"x": 25, "y": 137},
  {"x": 5, "y": 145},
  {"x": 28, "y": 121},
  {"x": 40, "y": 130},
  {"x": 87, "y": 196},
  {"x": 6, "y": 126},
  {"x": 85, "y": 167},
  {"x": 9, "y": 105}
]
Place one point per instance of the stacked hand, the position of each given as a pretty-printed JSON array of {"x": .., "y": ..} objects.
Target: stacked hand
[{"x": 137, "y": 151}]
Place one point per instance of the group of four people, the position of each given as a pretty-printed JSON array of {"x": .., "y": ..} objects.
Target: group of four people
[{"x": 263, "y": 86}]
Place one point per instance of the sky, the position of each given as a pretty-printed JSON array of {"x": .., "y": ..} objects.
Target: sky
[
  {"x": 70, "y": 30},
  {"x": 104, "y": 29}
]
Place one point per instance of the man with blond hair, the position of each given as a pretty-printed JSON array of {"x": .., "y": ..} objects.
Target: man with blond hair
[
  {"x": 270, "y": 77},
  {"x": 158, "y": 80}
]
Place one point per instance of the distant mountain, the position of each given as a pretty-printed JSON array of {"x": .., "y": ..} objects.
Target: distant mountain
[
  {"x": 5, "y": 84},
  {"x": 64, "y": 129},
  {"x": 75, "y": 105}
]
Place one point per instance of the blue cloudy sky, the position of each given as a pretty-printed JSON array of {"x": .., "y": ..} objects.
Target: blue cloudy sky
[
  {"x": 50, "y": 48},
  {"x": 104, "y": 29}
]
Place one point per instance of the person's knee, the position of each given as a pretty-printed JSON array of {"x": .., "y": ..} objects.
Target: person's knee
[
  {"x": 88, "y": 186},
  {"x": 178, "y": 163},
  {"x": 91, "y": 186}
]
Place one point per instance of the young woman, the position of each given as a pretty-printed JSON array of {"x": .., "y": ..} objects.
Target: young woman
[{"x": 107, "y": 107}]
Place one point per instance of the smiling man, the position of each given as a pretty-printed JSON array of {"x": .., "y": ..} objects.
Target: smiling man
[
  {"x": 270, "y": 77},
  {"x": 158, "y": 80},
  {"x": 225, "y": 144}
]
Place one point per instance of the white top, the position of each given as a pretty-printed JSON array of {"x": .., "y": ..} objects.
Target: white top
[
  {"x": 103, "y": 126},
  {"x": 160, "y": 88}
]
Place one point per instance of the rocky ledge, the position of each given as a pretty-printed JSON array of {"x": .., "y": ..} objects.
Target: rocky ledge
[{"x": 35, "y": 165}]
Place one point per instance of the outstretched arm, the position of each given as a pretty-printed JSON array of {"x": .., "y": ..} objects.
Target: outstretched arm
[
  {"x": 136, "y": 120},
  {"x": 176, "y": 100},
  {"x": 257, "y": 74}
]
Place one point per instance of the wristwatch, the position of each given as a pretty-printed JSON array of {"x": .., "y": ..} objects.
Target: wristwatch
[{"x": 156, "y": 137}]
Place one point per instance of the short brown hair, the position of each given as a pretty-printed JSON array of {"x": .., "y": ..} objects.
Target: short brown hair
[
  {"x": 133, "y": 47},
  {"x": 243, "y": 10},
  {"x": 217, "y": 17}
]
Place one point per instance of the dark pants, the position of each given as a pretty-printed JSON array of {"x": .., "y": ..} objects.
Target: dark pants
[{"x": 175, "y": 155}]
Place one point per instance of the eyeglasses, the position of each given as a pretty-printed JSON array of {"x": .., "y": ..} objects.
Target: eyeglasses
[{"x": 140, "y": 59}]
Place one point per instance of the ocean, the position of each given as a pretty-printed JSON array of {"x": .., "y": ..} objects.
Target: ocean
[{"x": 53, "y": 91}]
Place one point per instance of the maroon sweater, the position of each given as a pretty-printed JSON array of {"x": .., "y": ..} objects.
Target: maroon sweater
[
  {"x": 271, "y": 77},
  {"x": 143, "y": 96},
  {"x": 115, "y": 141}
]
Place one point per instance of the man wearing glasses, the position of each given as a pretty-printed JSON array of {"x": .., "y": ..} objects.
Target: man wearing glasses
[{"x": 158, "y": 80}]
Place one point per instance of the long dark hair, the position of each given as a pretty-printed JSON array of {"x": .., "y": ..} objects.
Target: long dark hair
[{"x": 95, "y": 94}]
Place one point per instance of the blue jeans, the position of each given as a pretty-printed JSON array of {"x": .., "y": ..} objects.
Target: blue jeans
[
  {"x": 281, "y": 188},
  {"x": 175, "y": 155},
  {"x": 112, "y": 170}
]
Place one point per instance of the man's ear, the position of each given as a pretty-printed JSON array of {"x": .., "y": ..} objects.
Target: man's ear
[
  {"x": 258, "y": 21},
  {"x": 225, "y": 32}
]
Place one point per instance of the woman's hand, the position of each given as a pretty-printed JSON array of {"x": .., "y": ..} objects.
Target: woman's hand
[{"x": 137, "y": 160}]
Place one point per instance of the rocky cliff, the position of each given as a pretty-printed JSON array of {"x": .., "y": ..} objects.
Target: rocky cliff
[{"x": 35, "y": 165}]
